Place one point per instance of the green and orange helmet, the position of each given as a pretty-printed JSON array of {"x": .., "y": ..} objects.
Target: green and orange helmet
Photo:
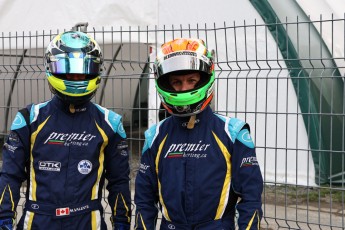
[
  {"x": 73, "y": 53},
  {"x": 183, "y": 56}
]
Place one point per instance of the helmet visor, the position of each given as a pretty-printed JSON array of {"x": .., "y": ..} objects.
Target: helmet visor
[
  {"x": 183, "y": 62},
  {"x": 62, "y": 65}
]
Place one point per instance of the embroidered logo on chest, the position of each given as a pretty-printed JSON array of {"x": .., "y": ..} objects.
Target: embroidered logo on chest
[
  {"x": 67, "y": 139},
  {"x": 193, "y": 150},
  {"x": 84, "y": 167}
]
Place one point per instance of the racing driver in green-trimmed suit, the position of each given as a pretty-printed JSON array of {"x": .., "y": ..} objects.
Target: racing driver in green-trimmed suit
[{"x": 197, "y": 167}]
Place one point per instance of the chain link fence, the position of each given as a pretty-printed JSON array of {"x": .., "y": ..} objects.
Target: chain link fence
[{"x": 285, "y": 79}]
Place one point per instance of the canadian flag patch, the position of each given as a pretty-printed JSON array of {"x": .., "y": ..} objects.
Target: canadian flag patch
[{"x": 62, "y": 211}]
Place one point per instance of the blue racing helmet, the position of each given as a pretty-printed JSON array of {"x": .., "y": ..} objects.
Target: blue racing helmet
[{"x": 73, "y": 62}]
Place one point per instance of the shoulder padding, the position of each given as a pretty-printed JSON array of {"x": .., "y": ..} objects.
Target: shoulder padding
[
  {"x": 245, "y": 138},
  {"x": 116, "y": 123},
  {"x": 114, "y": 120},
  {"x": 235, "y": 125},
  {"x": 149, "y": 137},
  {"x": 151, "y": 134},
  {"x": 26, "y": 116},
  {"x": 19, "y": 121},
  {"x": 35, "y": 110},
  {"x": 237, "y": 130}
]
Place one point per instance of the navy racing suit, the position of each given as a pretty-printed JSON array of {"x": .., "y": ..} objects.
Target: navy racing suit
[
  {"x": 200, "y": 176},
  {"x": 65, "y": 156}
]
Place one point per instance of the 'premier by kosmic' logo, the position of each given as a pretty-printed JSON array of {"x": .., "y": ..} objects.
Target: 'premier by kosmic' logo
[
  {"x": 249, "y": 161},
  {"x": 67, "y": 139},
  {"x": 187, "y": 150}
]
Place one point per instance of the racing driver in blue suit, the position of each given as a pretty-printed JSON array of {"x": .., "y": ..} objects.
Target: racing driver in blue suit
[
  {"x": 66, "y": 147},
  {"x": 197, "y": 167}
]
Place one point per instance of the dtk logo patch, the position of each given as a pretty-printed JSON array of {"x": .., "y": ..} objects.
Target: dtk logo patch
[
  {"x": 84, "y": 167},
  {"x": 49, "y": 166}
]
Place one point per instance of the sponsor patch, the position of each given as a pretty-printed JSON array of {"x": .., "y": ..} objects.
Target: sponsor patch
[
  {"x": 78, "y": 110},
  {"x": 124, "y": 153},
  {"x": 122, "y": 145},
  {"x": 84, "y": 167},
  {"x": 190, "y": 53},
  {"x": 186, "y": 155},
  {"x": 143, "y": 167},
  {"x": 171, "y": 226},
  {"x": 54, "y": 166},
  {"x": 69, "y": 139},
  {"x": 249, "y": 161},
  {"x": 35, "y": 206},
  {"x": 10, "y": 148},
  {"x": 13, "y": 137},
  {"x": 189, "y": 150}
]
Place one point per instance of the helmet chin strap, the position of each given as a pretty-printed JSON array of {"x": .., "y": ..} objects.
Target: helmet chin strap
[{"x": 191, "y": 122}]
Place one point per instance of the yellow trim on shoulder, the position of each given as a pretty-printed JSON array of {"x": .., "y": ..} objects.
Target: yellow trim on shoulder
[
  {"x": 226, "y": 186},
  {"x": 164, "y": 209},
  {"x": 33, "y": 184}
]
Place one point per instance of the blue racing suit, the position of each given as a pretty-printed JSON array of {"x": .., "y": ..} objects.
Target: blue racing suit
[
  {"x": 199, "y": 177},
  {"x": 65, "y": 155}
]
